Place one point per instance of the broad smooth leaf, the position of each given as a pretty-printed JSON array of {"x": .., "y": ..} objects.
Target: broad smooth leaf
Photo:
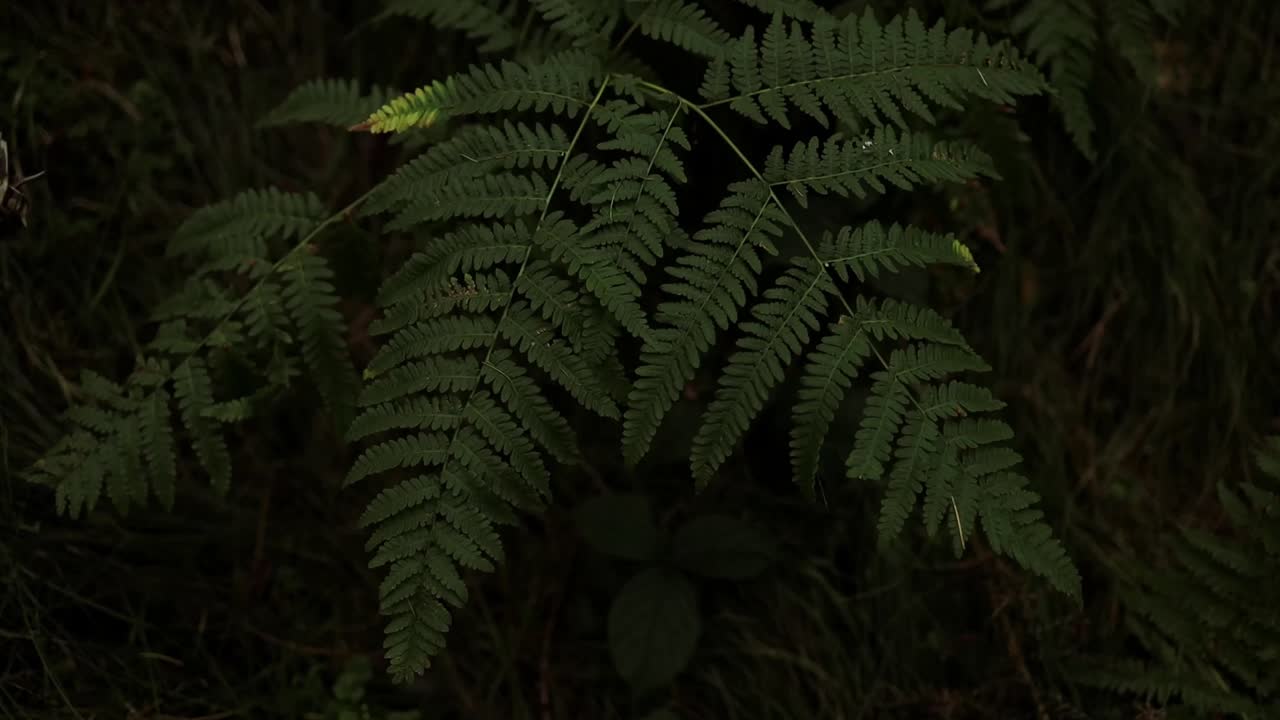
[
  {"x": 722, "y": 547},
  {"x": 620, "y": 525},
  {"x": 654, "y": 627}
]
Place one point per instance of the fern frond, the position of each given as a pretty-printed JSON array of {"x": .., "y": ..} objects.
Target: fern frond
[
  {"x": 238, "y": 306},
  {"x": 710, "y": 284},
  {"x": 122, "y": 440},
  {"x": 680, "y": 23},
  {"x": 311, "y": 301},
  {"x": 779, "y": 332},
  {"x": 868, "y": 250},
  {"x": 799, "y": 9},
  {"x": 558, "y": 85},
  {"x": 455, "y": 382},
  {"x": 239, "y": 227},
  {"x": 859, "y": 167},
  {"x": 833, "y": 365},
  {"x": 493, "y": 23},
  {"x": 827, "y": 376},
  {"x": 475, "y": 150},
  {"x": 1207, "y": 618},
  {"x": 158, "y": 447},
  {"x": 327, "y": 101},
  {"x": 860, "y": 71},
  {"x": 586, "y": 21},
  {"x": 194, "y": 392},
  {"x": 1062, "y": 36},
  {"x": 915, "y": 457}
]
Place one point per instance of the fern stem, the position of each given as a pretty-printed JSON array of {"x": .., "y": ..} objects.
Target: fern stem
[{"x": 700, "y": 111}]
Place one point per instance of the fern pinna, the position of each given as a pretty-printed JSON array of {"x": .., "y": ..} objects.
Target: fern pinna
[{"x": 547, "y": 226}]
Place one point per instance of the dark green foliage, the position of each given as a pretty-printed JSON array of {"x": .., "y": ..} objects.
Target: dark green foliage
[
  {"x": 593, "y": 245},
  {"x": 556, "y": 228},
  {"x": 1208, "y": 620},
  {"x": 286, "y": 312},
  {"x": 599, "y": 253},
  {"x": 1064, "y": 36}
]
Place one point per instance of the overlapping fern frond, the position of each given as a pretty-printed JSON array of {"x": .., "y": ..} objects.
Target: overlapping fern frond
[
  {"x": 1208, "y": 618},
  {"x": 238, "y": 304},
  {"x": 861, "y": 71},
  {"x": 327, "y": 101},
  {"x": 1066, "y": 37},
  {"x": 492, "y": 24}
]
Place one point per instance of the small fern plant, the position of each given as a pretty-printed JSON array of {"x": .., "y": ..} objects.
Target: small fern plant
[
  {"x": 1208, "y": 618},
  {"x": 558, "y": 276},
  {"x": 239, "y": 308}
]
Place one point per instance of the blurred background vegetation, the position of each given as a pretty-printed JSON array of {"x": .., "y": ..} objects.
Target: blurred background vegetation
[{"x": 1128, "y": 306}]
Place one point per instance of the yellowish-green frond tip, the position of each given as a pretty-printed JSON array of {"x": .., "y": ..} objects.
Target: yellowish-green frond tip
[
  {"x": 962, "y": 251},
  {"x": 418, "y": 109}
]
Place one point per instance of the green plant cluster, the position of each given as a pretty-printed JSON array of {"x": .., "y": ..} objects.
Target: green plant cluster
[{"x": 618, "y": 266}]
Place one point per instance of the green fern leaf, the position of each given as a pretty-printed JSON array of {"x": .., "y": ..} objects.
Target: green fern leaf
[
  {"x": 158, "y": 446},
  {"x": 853, "y": 168},
  {"x": 557, "y": 85},
  {"x": 475, "y": 150},
  {"x": 871, "y": 248},
  {"x": 916, "y": 447},
  {"x": 452, "y": 380},
  {"x": 327, "y": 101},
  {"x": 860, "y": 70},
  {"x": 310, "y": 298},
  {"x": 712, "y": 282},
  {"x": 492, "y": 23},
  {"x": 827, "y": 377},
  {"x": 194, "y": 392},
  {"x": 583, "y": 20},
  {"x": 240, "y": 226},
  {"x": 779, "y": 332},
  {"x": 682, "y": 24},
  {"x": 1062, "y": 36}
]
